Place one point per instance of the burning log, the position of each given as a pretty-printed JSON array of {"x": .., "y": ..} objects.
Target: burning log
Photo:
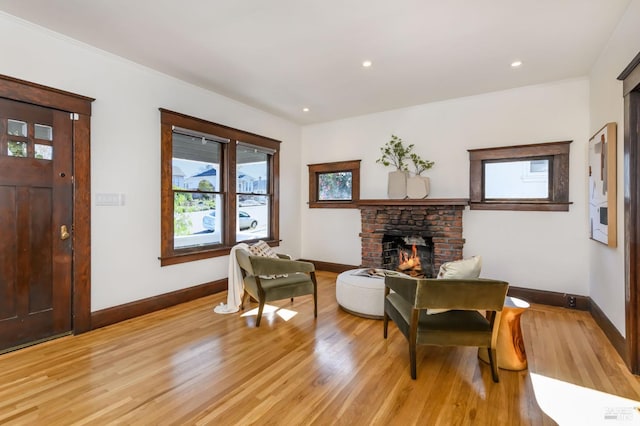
[{"x": 407, "y": 262}]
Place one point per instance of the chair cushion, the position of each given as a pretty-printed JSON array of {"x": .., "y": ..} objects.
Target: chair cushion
[
  {"x": 458, "y": 269},
  {"x": 292, "y": 285}
]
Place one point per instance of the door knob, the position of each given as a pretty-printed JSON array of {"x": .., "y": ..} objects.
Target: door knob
[{"x": 64, "y": 234}]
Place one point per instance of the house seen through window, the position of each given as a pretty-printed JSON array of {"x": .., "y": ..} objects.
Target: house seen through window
[
  {"x": 197, "y": 201},
  {"x": 524, "y": 179},
  {"x": 253, "y": 189},
  {"x": 208, "y": 205}
]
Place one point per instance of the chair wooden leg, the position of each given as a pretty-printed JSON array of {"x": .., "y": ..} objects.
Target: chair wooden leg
[
  {"x": 244, "y": 299},
  {"x": 493, "y": 361},
  {"x": 412, "y": 359},
  {"x": 413, "y": 340},
  {"x": 315, "y": 294},
  {"x": 260, "y": 309},
  {"x": 386, "y": 324},
  {"x": 315, "y": 306}
]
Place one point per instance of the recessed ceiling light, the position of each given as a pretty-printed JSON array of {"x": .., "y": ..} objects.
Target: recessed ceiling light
[
  {"x": 367, "y": 64},
  {"x": 305, "y": 109},
  {"x": 516, "y": 64}
]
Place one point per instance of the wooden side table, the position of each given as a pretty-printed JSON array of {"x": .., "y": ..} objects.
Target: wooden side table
[{"x": 510, "y": 346}]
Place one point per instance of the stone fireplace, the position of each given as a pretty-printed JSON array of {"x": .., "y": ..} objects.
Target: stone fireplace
[{"x": 435, "y": 224}]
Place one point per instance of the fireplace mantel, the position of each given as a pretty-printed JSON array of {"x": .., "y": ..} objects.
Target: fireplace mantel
[{"x": 415, "y": 202}]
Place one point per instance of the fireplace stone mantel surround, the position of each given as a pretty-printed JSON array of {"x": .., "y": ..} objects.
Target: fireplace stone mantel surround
[{"x": 439, "y": 218}]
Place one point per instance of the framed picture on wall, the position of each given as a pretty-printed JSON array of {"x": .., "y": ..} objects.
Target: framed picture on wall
[{"x": 602, "y": 185}]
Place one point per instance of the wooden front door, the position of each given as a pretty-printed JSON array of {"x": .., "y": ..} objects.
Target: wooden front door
[{"x": 35, "y": 223}]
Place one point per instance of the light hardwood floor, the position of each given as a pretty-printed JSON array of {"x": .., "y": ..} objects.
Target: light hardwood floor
[{"x": 188, "y": 365}]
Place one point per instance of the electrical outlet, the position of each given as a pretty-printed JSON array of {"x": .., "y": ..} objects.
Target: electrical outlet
[{"x": 571, "y": 301}]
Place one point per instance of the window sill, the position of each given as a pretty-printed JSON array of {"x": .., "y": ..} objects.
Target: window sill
[
  {"x": 521, "y": 206},
  {"x": 333, "y": 204},
  {"x": 205, "y": 254}
]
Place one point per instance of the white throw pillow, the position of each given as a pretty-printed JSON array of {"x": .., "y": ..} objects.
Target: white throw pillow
[
  {"x": 260, "y": 248},
  {"x": 461, "y": 269},
  {"x": 458, "y": 269}
]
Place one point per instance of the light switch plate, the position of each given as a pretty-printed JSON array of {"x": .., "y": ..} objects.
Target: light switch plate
[{"x": 110, "y": 199}]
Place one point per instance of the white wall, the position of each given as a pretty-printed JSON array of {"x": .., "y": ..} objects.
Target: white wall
[
  {"x": 606, "y": 265},
  {"x": 125, "y": 150},
  {"x": 541, "y": 250}
]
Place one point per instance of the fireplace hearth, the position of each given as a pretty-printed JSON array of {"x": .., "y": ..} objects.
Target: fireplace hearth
[{"x": 436, "y": 221}]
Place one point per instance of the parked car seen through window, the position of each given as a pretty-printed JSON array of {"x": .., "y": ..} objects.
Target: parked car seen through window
[{"x": 245, "y": 221}]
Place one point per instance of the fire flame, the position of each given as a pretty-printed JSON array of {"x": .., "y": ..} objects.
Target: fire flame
[{"x": 410, "y": 263}]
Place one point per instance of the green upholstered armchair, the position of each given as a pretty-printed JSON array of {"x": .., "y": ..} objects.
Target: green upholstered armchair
[
  {"x": 300, "y": 279},
  {"x": 463, "y": 325}
]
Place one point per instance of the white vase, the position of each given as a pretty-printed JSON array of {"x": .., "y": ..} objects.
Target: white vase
[
  {"x": 418, "y": 187},
  {"x": 397, "y": 185}
]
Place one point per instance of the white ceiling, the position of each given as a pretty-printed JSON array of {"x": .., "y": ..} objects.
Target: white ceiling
[{"x": 283, "y": 55}]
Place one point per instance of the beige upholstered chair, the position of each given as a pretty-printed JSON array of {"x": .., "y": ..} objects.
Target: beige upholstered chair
[
  {"x": 300, "y": 279},
  {"x": 463, "y": 325}
]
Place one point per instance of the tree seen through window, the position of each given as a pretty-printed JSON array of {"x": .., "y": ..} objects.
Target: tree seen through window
[{"x": 335, "y": 186}]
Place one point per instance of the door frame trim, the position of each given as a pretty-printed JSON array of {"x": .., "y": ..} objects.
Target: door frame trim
[
  {"x": 36, "y": 94},
  {"x": 630, "y": 78}
]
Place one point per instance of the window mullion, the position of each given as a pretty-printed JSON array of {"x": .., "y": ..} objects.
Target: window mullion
[{"x": 230, "y": 190}]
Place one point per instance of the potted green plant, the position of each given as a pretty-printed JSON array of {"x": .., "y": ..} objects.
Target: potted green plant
[
  {"x": 419, "y": 186},
  {"x": 395, "y": 153}
]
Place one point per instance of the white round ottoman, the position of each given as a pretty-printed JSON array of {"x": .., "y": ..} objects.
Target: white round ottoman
[{"x": 360, "y": 295}]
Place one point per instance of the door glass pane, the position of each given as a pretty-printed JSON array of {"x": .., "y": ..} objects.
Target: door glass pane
[
  {"x": 17, "y": 128},
  {"x": 43, "y": 132},
  {"x": 335, "y": 186},
  {"x": 527, "y": 179},
  {"x": 196, "y": 219},
  {"x": 17, "y": 149},
  {"x": 43, "y": 152},
  {"x": 252, "y": 186}
]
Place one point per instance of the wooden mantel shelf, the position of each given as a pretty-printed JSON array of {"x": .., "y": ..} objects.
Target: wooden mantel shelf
[{"x": 415, "y": 202}]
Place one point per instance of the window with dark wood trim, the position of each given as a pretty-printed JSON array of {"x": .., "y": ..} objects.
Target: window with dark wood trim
[
  {"x": 209, "y": 198},
  {"x": 544, "y": 167},
  {"x": 334, "y": 185}
]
